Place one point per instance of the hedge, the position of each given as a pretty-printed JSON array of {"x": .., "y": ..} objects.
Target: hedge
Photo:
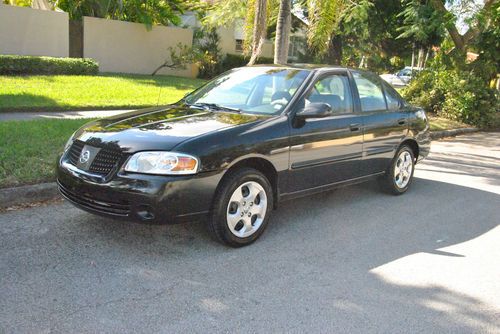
[
  {"x": 22, "y": 65},
  {"x": 231, "y": 61}
]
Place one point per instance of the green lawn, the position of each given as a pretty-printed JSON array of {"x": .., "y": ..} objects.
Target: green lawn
[
  {"x": 29, "y": 149},
  {"x": 106, "y": 91},
  {"x": 440, "y": 123}
]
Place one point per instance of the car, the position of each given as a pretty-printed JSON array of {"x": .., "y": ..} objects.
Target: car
[
  {"x": 229, "y": 152},
  {"x": 401, "y": 78}
]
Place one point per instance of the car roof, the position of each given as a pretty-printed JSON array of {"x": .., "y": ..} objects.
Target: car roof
[{"x": 309, "y": 67}]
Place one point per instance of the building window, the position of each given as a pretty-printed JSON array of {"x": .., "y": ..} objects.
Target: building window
[
  {"x": 295, "y": 47},
  {"x": 239, "y": 45}
]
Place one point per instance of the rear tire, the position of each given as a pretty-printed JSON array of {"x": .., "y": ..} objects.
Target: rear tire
[
  {"x": 399, "y": 175},
  {"x": 241, "y": 208}
]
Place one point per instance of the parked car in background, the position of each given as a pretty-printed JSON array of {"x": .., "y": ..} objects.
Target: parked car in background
[
  {"x": 247, "y": 140},
  {"x": 402, "y": 77}
]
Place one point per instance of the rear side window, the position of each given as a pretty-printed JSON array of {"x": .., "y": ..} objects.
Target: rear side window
[
  {"x": 370, "y": 94},
  {"x": 393, "y": 99}
]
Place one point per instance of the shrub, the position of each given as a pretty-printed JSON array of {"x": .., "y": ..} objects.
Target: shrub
[
  {"x": 206, "y": 41},
  {"x": 396, "y": 63},
  {"x": 232, "y": 61},
  {"x": 424, "y": 92},
  {"x": 22, "y": 65},
  {"x": 455, "y": 92},
  {"x": 468, "y": 100}
]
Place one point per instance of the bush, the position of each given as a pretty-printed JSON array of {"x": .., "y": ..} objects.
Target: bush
[
  {"x": 22, "y": 65},
  {"x": 231, "y": 61},
  {"x": 457, "y": 93},
  {"x": 469, "y": 101},
  {"x": 397, "y": 63},
  {"x": 424, "y": 92},
  {"x": 206, "y": 41}
]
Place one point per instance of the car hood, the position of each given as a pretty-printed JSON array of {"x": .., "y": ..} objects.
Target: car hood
[{"x": 159, "y": 128}]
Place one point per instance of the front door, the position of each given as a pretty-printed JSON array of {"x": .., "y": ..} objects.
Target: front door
[{"x": 326, "y": 150}]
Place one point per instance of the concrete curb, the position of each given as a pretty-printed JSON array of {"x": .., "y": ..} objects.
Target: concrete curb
[
  {"x": 451, "y": 133},
  {"x": 16, "y": 196},
  {"x": 23, "y": 195}
]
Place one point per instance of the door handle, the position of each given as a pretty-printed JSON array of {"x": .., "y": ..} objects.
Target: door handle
[
  {"x": 354, "y": 127},
  {"x": 401, "y": 121}
]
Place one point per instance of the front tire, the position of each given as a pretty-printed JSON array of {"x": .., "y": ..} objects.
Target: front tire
[
  {"x": 399, "y": 176},
  {"x": 241, "y": 208}
]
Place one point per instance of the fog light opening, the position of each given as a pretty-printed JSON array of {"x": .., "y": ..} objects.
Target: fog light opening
[{"x": 145, "y": 213}]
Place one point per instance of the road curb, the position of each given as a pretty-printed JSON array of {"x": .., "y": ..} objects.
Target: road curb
[
  {"x": 451, "y": 133},
  {"x": 16, "y": 196}
]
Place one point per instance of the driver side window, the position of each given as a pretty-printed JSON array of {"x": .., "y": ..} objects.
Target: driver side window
[{"x": 334, "y": 90}]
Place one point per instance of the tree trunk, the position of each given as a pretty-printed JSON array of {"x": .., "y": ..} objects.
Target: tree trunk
[
  {"x": 413, "y": 56},
  {"x": 283, "y": 27},
  {"x": 427, "y": 56},
  {"x": 461, "y": 41},
  {"x": 362, "y": 62},
  {"x": 421, "y": 55},
  {"x": 335, "y": 50},
  {"x": 259, "y": 29},
  {"x": 452, "y": 29}
]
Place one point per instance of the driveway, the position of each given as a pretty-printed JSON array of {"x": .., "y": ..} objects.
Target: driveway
[{"x": 349, "y": 261}]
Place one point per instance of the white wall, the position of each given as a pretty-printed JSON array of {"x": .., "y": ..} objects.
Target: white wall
[
  {"x": 120, "y": 46},
  {"x": 33, "y": 32}
]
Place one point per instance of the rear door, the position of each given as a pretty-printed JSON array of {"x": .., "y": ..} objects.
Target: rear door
[{"x": 385, "y": 120}]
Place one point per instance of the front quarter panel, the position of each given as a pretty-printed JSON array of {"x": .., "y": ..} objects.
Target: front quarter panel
[{"x": 266, "y": 138}]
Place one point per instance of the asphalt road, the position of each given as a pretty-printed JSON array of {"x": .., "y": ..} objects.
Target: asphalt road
[{"x": 349, "y": 261}]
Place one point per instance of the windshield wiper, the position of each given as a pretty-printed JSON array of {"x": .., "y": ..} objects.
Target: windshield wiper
[{"x": 215, "y": 106}]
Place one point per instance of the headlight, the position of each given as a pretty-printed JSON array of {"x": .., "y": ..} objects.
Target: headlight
[
  {"x": 166, "y": 163},
  {"x": 68, "y": 143}
]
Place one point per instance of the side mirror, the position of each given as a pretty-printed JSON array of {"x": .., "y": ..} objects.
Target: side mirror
[{"x": 315, "y": 110}]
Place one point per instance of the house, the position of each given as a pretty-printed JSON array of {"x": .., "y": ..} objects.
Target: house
[{"x": 233, "y": 37}]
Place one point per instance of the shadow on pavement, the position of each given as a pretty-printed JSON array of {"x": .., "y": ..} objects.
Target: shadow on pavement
[{"x": 312, "y": 269}]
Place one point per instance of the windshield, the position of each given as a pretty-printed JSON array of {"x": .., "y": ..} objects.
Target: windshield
[{"x": 260, "y": 90}]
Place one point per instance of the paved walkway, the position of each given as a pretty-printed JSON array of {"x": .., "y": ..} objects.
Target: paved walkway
[{"x": 26, "y": 116}]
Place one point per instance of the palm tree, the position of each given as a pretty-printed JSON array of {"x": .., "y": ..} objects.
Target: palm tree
[
  {"x": 283, "y": 26},
  {"x": 324, "y": 18},
  {"x": 259, "y": 27}
]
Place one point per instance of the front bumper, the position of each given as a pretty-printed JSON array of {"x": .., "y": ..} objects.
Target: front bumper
[{"x": 139, "y": 197}]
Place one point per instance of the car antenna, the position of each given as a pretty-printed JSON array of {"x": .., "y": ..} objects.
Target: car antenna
[{"x": 159, "y": 94}]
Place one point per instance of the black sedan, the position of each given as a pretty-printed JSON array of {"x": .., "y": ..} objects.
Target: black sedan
[{"x": 234, "y": 148}]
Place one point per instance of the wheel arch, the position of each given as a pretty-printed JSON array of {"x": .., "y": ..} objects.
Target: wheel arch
[
  {"x": 412, "y": 143},
  {"x": 259, "y": 163}
]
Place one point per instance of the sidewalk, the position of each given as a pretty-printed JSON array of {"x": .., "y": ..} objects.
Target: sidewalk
[{"x": 26, "y": 116}]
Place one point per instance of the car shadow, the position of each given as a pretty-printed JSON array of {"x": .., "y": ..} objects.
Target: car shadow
[{"x": 322, "y": 250}]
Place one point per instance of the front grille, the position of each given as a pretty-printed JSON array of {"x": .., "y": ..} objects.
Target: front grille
[
  {"x": 75, "y": 151},
  {"x": 105, "y": 161},
  {"x": 84, "y": 200}
]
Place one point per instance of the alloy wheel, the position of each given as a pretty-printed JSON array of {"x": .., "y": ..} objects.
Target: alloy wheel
[
  {"x": 246, "y": 209},
  {"x": 403, "y": 169}
]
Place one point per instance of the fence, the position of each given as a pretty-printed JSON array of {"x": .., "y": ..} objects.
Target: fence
[
  {"x": 129, "y": 47},
  {"x": 27, "y": 31},
  {"x": 117, "y": 46}
]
